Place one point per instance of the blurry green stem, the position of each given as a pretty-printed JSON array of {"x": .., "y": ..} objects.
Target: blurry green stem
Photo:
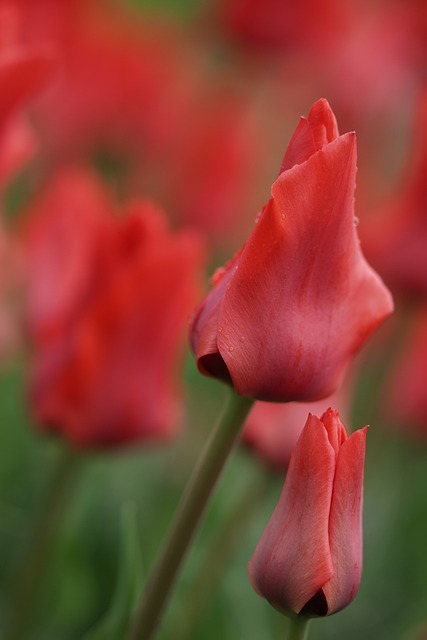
[
  {"x": 298, "y": 628},
  {"x": 217, "y": 557},
  {"x": 190, "y": 510},
  {"x": 34, "y": 559}
]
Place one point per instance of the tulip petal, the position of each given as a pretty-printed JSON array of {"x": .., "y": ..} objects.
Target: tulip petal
[
  {"x": 205, "y": 328},
  {"x": 301, "y": 262},
  {"x": 345, "y": 523},
  {"x": 23, "y": 73},
  {"x": 290, "y": 574},
  {"x": 299, "y": 299},
  {"x": 311, "y": 134}
]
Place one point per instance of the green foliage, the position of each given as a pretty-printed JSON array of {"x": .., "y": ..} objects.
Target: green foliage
[
  {"x": 82, "y": 576},
  {"x": 178, "y": 7},
  {"x": 116, "y": 622}
]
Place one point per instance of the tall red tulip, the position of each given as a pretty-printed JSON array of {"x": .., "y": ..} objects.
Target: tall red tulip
[
  {"x": 288, "y": 313},
  {"x": 309, "y": 559},
  {"x": 108, "y": 305}
]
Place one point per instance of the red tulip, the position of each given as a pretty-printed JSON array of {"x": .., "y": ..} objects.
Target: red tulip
[
  {"x": 272, "y": 429},
  {"x": 109, "y": 300},
  {"x": 213, "y": 165},
  {"x": 397, "y": 237},
  {"x": 309, "y": 559},
  {"x": 278, "y": 24},
  {"x": 288, "y": 313},
  {"x": 405, "y": 396},
  {"x": 141, "y": 67},
  {"x": 25, "y": 69}
]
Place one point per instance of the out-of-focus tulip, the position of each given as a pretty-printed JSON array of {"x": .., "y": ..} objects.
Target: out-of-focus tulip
[
  {"x": 288, "y": 313},
  {"x": 24, "y": 72},
  {"x": 405, "y": 394},
  {"x": 109, "y": 300},
  {"x": 68, "y": 231},
  {"x": 309, "y": 559},
  {"x": 396, "y": 238},
  {"x": 213, "y": 166},
  {"x": 272, "y": 429},
  {"x": 282, "y": 25},
  {"x": 118, "y": 77}
]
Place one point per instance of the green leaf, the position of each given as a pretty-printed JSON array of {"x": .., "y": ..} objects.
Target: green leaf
[{"x": 116, "y": 622}]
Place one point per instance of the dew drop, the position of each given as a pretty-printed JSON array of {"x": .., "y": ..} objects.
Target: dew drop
[
  {"x": 231, "y": 349},
  {"x": 242, "y": 338},
  {"x": 356, "y": 221},
  {"x": 218, "y": 275}
]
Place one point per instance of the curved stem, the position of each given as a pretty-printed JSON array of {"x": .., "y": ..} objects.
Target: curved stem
[
  {"x": 298, "y": 628},
  {"x": 190, "y": 510},
  {"x": 218, "y": 556},
  {"x": 37, "y": 554}
]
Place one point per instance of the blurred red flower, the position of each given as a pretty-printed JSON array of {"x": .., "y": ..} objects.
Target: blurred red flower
[
  {"x": 288, "y": 313},
  {"x": 280, "y": 24},
  {"x": 108, "y": 304},
  {"x": 404, "y": 397},
  {"x": 215, "y": 162},
  {"x": 123, "y": 85},
  {"x": 272, "y": 429},
  {"x": 25, "y": 69},
  {"x": 134, "y": 98},
  {"x": 396, "y": 238},
  {"x": 309, "y": 559}
]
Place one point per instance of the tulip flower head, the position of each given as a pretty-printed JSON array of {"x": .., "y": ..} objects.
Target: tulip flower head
[
  {"x": 309, "y": 559},
  {"x": 288, "y": 313},
  {"x": 107, "y": 308}
]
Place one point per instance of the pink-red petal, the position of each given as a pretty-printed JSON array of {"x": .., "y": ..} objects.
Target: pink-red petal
[
  {"x": 292, "y": 561},
  {"x": 345, "y": 523}
]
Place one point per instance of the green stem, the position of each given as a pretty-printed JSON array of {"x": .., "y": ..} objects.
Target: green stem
[
  {"x": 298, "y": 628},
  {"x": 217, "y": 557},
  {"x": 188, "y": 516},
  {"x": 36, "y": 556}
]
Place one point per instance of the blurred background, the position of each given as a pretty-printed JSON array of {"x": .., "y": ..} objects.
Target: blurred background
[{"x": 138, "y": 142}]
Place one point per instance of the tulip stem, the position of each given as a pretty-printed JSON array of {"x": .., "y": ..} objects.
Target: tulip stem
[
  {"x": 217, "y": 558},
  {"x": 36, "y": 555},
  {"x": 298, "y": 628},
  {"x": 188, "y": 516}
]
